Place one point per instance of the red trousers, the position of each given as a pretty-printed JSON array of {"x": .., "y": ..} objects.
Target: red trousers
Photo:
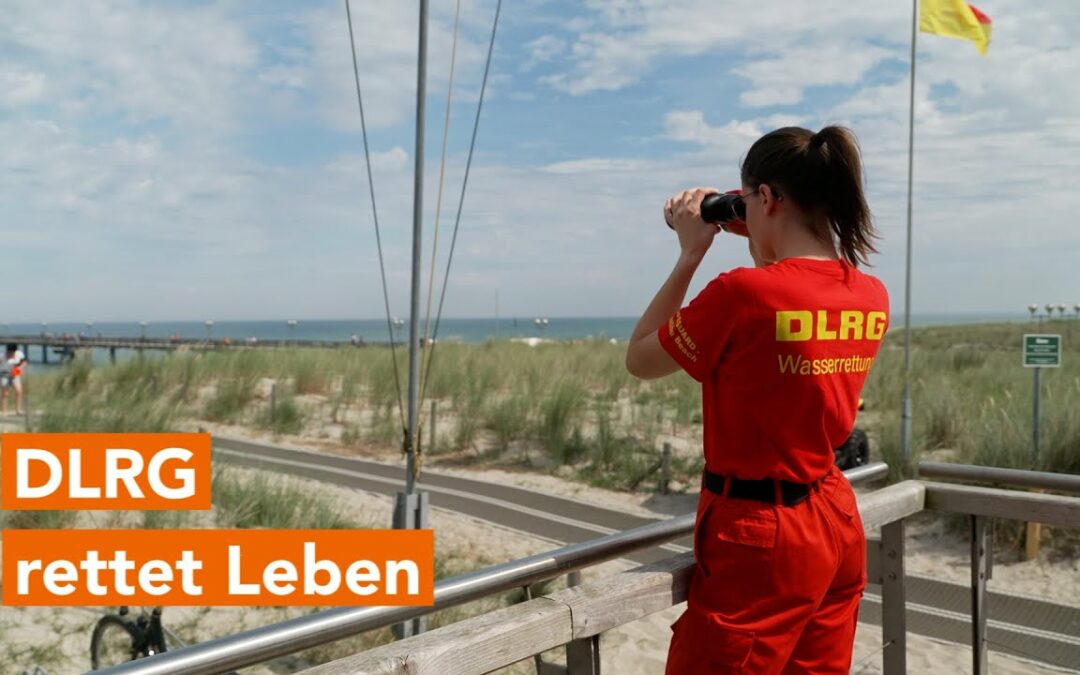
[{"x": 776, "y": 588}]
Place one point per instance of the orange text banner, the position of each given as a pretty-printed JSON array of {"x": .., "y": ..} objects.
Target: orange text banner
[
  {"x": 218, "y": 567},
  {"x": 104, "y": 471}
]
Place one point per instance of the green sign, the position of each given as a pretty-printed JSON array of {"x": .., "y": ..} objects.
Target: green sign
[{"x": 1042, "y": 351}]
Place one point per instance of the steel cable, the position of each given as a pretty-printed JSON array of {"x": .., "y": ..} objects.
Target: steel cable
[
  {"x": 375, "y": 214},
  {"x": 461, "y": 200}
]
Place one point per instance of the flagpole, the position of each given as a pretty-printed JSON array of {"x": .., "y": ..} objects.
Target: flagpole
[
  {"x": 418, "y": 227},
  {"x": 905, "y": 419}
]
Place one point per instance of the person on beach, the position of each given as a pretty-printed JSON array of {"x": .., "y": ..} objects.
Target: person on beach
[
  {"x": 14, "y": 363},
  {"x": 782, "y": 350}
]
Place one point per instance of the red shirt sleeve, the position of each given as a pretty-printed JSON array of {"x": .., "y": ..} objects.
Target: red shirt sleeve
[{"x": 697, "y": 334}]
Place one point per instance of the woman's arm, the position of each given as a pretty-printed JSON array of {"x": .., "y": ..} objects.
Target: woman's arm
[{"x": 645, "y": 356}]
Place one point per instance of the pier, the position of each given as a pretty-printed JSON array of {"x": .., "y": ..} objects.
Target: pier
[{"x": 64, "y": 347}]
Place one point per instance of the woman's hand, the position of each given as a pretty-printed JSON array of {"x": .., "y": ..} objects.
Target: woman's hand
[{"x": 683, "y": 213}]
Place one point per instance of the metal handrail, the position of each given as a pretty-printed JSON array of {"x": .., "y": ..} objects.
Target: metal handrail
[
  {"x": 287, "y": 637},
  {"x": 988, "y": 474},
  {"x": 867, "y": 473}
]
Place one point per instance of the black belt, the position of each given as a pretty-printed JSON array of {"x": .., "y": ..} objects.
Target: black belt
[{"x": 764, "y": 490}]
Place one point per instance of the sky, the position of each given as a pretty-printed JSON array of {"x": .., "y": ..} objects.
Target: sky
[{"x": 204, "y": 160}]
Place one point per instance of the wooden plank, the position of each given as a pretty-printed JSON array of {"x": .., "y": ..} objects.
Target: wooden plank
[
  {"x": 628, "y": 596},
  {"x": 892, "y": 503},
  {"x": 367, "y": 663},
  {"x": 1053, "y": 510},
  {"x": 472, "y": 647}
]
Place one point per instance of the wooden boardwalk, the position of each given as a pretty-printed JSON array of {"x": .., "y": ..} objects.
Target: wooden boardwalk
[{"x": 1020, "y": 625}]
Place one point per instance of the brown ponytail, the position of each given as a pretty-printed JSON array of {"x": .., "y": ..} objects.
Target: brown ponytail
[{"x": 822, "y": 174}]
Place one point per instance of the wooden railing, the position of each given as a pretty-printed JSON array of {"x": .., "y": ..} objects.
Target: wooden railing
[
  {"x": 500, "y": 638},
  {"x": 225, "y": 654},
  {"x": 577, "y": 616}
]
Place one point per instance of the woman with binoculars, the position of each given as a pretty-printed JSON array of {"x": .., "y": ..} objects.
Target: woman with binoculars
[{"x": 782, "y": 350}]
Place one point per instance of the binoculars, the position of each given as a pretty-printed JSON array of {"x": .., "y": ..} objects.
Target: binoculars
[
  {"x": 723, "y": 208},
  {"x": 727, "y": 211}
]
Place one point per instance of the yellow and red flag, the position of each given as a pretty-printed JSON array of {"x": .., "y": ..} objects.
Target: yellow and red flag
[{"x": 955, "y": 19}]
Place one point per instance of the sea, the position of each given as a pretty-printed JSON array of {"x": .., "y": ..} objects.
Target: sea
[{"x": 466, "y": 330}]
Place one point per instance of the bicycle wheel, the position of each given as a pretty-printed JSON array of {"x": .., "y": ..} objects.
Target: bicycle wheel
[{"x": 113, "y": 642}]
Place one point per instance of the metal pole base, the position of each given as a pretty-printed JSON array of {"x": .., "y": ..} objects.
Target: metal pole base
[
  {"x": 410, "y": 513},
  {"x": 907, "y": 465}
]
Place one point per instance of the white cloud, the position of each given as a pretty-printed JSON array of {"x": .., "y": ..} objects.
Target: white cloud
[
  {"x": 594, "y": 165},
  {"x": 392, "y": 161},
  {"x": 542, "y": 49},
  {"x": 612, "y": 64},
  {"x": 123, "y": 188},
  {"x": 690, "y": 126},
  {"x": 293, "y": 77},
  {"x": 637, "y": 34},
  {"x": 20, "y": 87},
  {"x": 770, "y": 96},
  {"x": 395, "y": 159},
  {"x": 782, "y": 79},
  {"x": 135, "y": 61},
  {"x": 385, "y": 33}
]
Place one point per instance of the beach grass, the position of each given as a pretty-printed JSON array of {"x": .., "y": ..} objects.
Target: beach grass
[
  {"x": 36, "y": 520},
  {"x": 267, "y": 501},
  {"x": 574, "y": 402}
]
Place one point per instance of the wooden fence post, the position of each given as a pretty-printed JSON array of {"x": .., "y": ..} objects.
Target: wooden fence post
[
  {"x": 431, "y": 442},
  {"x": 1032, "y": 538},
  {"x": 665, "y": 468},
  {"x": 893, "y": 599}
]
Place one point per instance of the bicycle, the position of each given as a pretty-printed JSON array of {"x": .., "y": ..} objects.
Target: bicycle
[{"x": 117, "y": 638}]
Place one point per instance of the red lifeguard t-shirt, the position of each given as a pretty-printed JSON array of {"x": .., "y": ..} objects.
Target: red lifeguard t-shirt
[{"x": 782, "y": 353}]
